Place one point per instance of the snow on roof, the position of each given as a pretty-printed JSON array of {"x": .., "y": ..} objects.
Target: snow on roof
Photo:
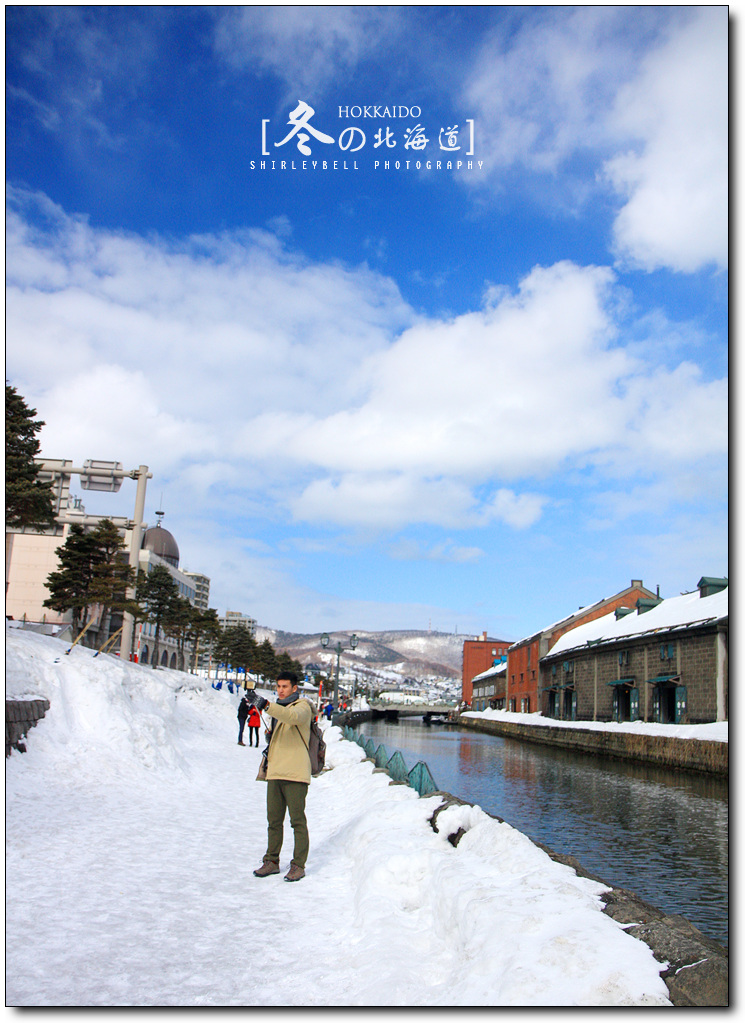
[
  {"x": 576, "y": 614},
  {"x": 496, "y": 669},
  {"x": 673, "y": 613}
]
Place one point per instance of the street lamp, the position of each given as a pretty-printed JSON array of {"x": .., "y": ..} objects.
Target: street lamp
[
  {"x": 338, "y": 648},
  {"x": 97, "y": 475}
]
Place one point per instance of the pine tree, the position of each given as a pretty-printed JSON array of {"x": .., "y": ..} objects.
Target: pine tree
[
  {"x": 266, "y": 661},
  {"x": 28, "y": 501},
  {"x": 70, "y": 586},
  {"x": 244, "y": 649},
  {"x": 178, "y": 623},
  {"x": 156, "y": 592},
  {"x": 205, "y": 626},
  {"x": 287, "y": 663},
  {"x": 92, "y": 572},
  {"x": 113, "y": 575},
  {"x": 237, "y": 648}
]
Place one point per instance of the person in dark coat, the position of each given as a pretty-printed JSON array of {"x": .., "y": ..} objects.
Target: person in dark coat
[
  {"x": 254, "y": 720},
  {"x": 243, "y": 708}
]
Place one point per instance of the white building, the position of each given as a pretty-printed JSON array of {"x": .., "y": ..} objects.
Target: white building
[
  {"x": 201, "y": 588},
  {"x": 160, "y": 548},
  {"x": 236, "y": 619},
  {"x": 31, "y": 555}
]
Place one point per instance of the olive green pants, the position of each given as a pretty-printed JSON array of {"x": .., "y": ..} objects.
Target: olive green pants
[{"x": 280, "y": 797}]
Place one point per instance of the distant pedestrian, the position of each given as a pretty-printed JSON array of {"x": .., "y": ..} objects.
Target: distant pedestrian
[
  {"x": 287, "y": 775},
  {"x": 329, "y": 710},
  {"x": 254, "y": 720},
  {"x": 243, "y": 708}
]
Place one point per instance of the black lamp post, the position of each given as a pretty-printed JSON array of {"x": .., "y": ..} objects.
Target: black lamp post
[{"x": 338, "y": 648}]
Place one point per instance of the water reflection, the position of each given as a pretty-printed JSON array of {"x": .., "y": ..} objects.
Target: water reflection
[{"x": 660, "y": 833}]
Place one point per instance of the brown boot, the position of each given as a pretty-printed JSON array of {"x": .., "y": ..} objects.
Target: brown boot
[
  {"x": 295, "y": 873},
  {"x": 266, "y": 869}
]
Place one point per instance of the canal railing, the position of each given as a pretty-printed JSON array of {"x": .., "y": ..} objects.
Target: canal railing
[{"x": 419, "y": 777}]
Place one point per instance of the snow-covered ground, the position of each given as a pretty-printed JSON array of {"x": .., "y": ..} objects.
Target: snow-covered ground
[
  {"x": 134, "y": 824},
  {"x": 716, "y": 731}
]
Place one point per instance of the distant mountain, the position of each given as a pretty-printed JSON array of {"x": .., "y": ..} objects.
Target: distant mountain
[{"x": 409, "y": 653}]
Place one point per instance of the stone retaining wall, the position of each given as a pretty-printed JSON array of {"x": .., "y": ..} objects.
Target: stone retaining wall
[
  {"x": 20, "y": 715},
  {"x": 665, "y": 751}
]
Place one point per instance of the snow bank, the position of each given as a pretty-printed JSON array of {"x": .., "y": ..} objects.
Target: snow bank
[
  {"x": 716, "y": 731},
  {"x": 133, "y": 824}
]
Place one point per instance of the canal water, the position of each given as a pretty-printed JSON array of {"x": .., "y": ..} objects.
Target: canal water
[{"x": 659, "y": 833}]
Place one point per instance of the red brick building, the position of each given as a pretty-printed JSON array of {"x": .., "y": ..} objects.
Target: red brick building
[
  {"x": 478, "y": 655},
  {"x": 523, "y": 674}
]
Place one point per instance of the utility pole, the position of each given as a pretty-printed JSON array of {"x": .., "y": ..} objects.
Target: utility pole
[{"x": 142, "y": 476}]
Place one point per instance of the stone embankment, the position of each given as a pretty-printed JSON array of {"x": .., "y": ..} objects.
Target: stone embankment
[
  {"x": 20, "y": 716},
  {"x": 664, "y": 751}
]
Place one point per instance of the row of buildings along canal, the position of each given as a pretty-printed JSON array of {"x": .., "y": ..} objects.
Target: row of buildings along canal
[
  {"x": 632, "y": 656},
  {"x": 660, "y": 832}
]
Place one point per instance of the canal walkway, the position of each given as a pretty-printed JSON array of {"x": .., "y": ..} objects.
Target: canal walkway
[{"x": 133, "y": 826}]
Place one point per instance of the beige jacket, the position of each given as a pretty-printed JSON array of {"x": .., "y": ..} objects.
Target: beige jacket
[{"x": 289, "y": 759}]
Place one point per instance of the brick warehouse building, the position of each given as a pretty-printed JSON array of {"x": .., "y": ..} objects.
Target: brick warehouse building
[
  {"x": 665, "y": 663},
  {"x": 479, "y": 655},
  {"x": 523, "y": 657}
]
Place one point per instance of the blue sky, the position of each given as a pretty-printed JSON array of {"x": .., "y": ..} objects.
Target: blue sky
[{"x": 469, "y": 398}]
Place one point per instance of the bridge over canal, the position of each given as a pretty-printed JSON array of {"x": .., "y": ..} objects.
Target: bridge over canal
[{"x": 393, "y": 711}]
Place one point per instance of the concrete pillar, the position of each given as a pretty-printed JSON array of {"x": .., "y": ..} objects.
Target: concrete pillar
[
  {"x": 646, "y": 685},
  {"x": 721, "y": 672},
  {"x": 141, "y": 475}
]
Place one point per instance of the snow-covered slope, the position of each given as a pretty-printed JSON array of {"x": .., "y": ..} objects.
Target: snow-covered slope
[
  {"x": 411, "y": 654},
  {"x": 133, "y": 823}
]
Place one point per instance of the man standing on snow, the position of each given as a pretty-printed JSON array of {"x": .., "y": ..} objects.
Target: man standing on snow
[
  {"x": 288, "y": 774},
  {"x": 242, "y": 715}
]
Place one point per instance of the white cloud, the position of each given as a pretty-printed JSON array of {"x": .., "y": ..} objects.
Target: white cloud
[
  {"x": 245, "y": 576},
  {"x": 306, "y": 47},
  {"x": 445, "y": 551},
  {"x": 234, "y": 367},
  {"x": 675, "y": 184},
  {"x": 539, "y": 90},
  {"x": 83, "y": 67},
  {"x": 630, "y": 98}
]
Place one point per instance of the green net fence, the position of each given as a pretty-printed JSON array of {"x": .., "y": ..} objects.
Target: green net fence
[{"x": 419, "y": 777}]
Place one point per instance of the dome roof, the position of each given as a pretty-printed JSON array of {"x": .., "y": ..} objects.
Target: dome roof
[{"x": 162, "y": 543}]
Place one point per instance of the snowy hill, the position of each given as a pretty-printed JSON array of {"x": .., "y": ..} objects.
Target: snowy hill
[
  {"x": 409, "y": 654},
  {"x": 104, "y": 710}
]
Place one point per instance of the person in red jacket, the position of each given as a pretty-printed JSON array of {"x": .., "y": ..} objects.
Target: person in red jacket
[{"x": 254, "y": 720}]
